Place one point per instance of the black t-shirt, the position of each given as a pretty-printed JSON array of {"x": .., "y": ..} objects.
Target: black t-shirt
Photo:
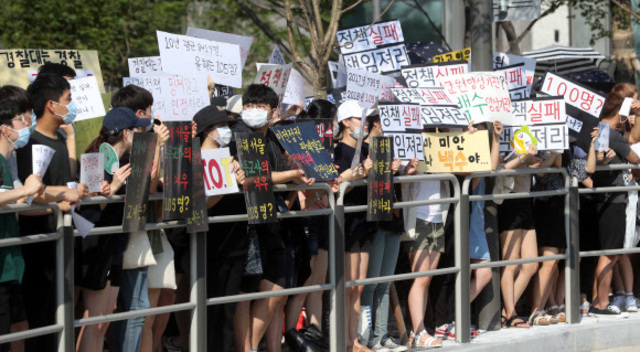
[
  {"x": 58, "y": 174},
  {"x": 614, "y": 178}
]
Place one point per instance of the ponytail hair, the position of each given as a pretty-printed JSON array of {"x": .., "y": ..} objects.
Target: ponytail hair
[{"x": 104, "y": 137}]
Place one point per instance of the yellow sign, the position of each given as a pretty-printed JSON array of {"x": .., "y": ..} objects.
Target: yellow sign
[
  {"x": 463, "y": 54},
  {"x": 16, "y": 65},
  {"x": 457, "y": 152}
]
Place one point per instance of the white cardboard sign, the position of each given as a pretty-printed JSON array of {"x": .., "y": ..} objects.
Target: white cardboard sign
[
  {"x": 217, "y": 177},
  {"x": 145, "y": 66},
  {"x": 367, "y": 87},
  {"x": 242, "y": 41},
  {"x": 183, "y": 96},
  {"x": 428, "y": 76},
  {"x": 363, "y": 38},
  {"x": 86, "y": 94},
  {"x": 92, "y": 171}
]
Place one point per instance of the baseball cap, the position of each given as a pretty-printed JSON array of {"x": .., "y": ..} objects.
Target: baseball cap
[
  {"x": 352, "y": 108},
  {"x": 209, "y": 116},
  {"x": 123, "y": 118},
  {"x": 219, "y": 101},
  {"x": 234, "y": 104}
]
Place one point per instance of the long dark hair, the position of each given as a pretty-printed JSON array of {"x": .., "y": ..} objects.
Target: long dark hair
[{"x": 104, "y": 137}]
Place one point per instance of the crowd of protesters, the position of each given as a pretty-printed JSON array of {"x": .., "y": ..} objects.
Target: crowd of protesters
[{"x": 119, "y": 273}]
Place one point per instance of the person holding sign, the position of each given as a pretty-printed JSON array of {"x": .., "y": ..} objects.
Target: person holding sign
[{"x": 53, "y": 107}]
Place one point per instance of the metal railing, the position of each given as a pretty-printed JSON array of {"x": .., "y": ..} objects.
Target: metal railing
[{"x": 198, "y": 302}]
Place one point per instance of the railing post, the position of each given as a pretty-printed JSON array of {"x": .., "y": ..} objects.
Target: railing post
[
  {"x": 64, "y": 282},
  {"x": 461, "y": 248},
  {"x": 572, "y": 264},
  {"x": 336, "y": 275},
  {"x": 198, "y": 260}
]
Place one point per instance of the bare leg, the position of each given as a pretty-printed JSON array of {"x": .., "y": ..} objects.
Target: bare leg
[
  {"x": 273, "y": 335},
  {"x": 95, "y": 303},
  {"x": 242, "y": 326},
  {"x": 603, "y": 275},
  {"x": 183, "y": 318},
  {"x": 480, "y": 279},
  {"x": 361, "y": 271},
  {"x": 262, "y": 312},
  {"x": 314, "y": 299},
  {"x": 528, "y": 249},
  {"x": 18, "y": 345},
  {"x": 423, "y": 260},
  {"x": 542, "y": 281},
  {"x": 146, "y": 344},
  {"x": 167, "y": 297},
  {"x": 510, "y": 243},
  {"x": 626, "y": 272}
]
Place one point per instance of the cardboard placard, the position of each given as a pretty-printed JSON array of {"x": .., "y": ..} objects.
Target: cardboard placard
[
  {"x": 184, "y": 55},
  {"x": 305, "y": 148},
  {"x": 382, "y": 60},
  {"x": 443, "y": 116},
  {"x": 92, "y": 171},
  {"x": 183, "y": 96},
  {"x": 546, "y": 137},
  {"x": 428, "y": 76},
  {"x": 258, "y": 189},
  {"x": 199, "y": 220},
  {"x": 400, "y": 117},
  {"x": 516, "y": 80},
  {"x": 86, "y": 94},
  {"x": 223, "y": 91},
  {"x": 602, "y": 142},
  {"x": 380, "y": 188},
  {"x": 178, "y": 172},
  {"x": 464, "y": 54},
  {"x": 243, "y": 42},
  {"x": 406, "y": 146},
  {"x": 217, "y": 177},
  {"x": 294, "y": 94},
  {"x": 367, "y": 88},
  {"x": 423, "y": 96},
  {"x": 274, "y": 76},
  {"x": 501, "y": 60},
  {"x": 276, "y": 57},
  {"x": 145, "y": 66},
  {"x": 16, "y": 63},
  {"x": 325, "y": 132},
  {"x": 457, "y": 152},
  {"x": 363, "y": 38},
  {"x": 483, "y": 96},
  {"x": 137, "y": 197},
  {"x": 546, "y": 110}
]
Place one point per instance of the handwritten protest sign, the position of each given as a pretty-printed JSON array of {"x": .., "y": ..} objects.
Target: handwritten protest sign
[
  {"x": 516, "y": 80},
  {"x": 367, "y": 88},
  {"x": 294, "y": 94},
  {"x": 602, "y": 142},
  {"x": 423, "y": 96},
  {"x": 501, "y": 60},
  {"x": 81, "y": 224},
  {"x": 406, "y": 146},
  {"x": 183, "y": 96},
  {"x": 305, "y": 148},
  {"x": 382, "y": 60},
  {"x": 443, "y": 116},
  {"x": 137, "y": 197},
  {"x": 86, "y": 94},
  {"x": 258, "y": 189},
  {"x": 428, "y": 76},
  {"x": 464, "y": 54},
  {"x": 92, "y": 171},
  {"x": 367, "y": 37},
  {"x": 178, "y": 172},
  {"x": 242, "y": 41},
  {"x": 154, "y": 86},
  {"x": 276, "y": 57},
  {"x": 217, "y": 177},
  {"x": 184, "y": 55},
  {"x": 15, "y": 64},
  {"x": 541, "y": 121},
  {"x": 79, "y": 74},
  {"x": 457, "y": 152},
  {"x": 145, "y": 66},
  {"x": 198, "y": 221},
  {"x": 274, "y": 76},
  {"x": 380, "y": 189},
  {"x": 583, "y": 107},
  {"x": 324, "y": 127},
  {"x": 545, "y": 110},
  {"x": 40, "y": 159},
  {"x": 400, "y": 117},
  {"x": 483, "y": 96}
]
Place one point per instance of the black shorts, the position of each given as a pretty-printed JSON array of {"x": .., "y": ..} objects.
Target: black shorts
[
  {"x": 179, "y": 240},
  {"x": 316, "y": 229},
  {"x": 588, "y": 223},
  {"x": 358, "y": 243},
  {"x": 92, "y": 262},
  {"x": 16, "y": 302},
  {"x": 5, "y": 309},
  {"x": 611, "y": 225},
  {"x": 515, "y": 214},
  {"x": 549, "y": 219}
]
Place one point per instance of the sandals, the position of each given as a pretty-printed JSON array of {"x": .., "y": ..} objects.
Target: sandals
[
  {"x": 431, "y": 342},
  {"x": 557, "y": 313},
  {"x": 514, "y": 323},
  {"x": 539, "y": 318}
]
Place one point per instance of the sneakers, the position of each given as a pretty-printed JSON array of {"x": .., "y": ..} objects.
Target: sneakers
[
  {"x": 630, "y": 304},
  {"x": 389, "y": 344},
  {"x": 619, "y": 302},
  {"x": 610, "y": 312},
  {"x": 448, "y": 331}
]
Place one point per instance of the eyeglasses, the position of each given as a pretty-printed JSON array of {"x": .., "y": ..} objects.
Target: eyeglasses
[{"x": 22, "y": 118}]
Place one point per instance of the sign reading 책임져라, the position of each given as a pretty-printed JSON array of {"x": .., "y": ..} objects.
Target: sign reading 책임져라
[
  {"x": 464, "y": 54},
  {"x": 361, "y": 38},
  {"x": 483, "y": 96},
  {"x": 198, "y": 221},
  {"x": 367, "y": 88},
  {"x": 423, "y": 96},
  {"x": 141, "y": 160},
  {"x": 145, "y": 66},
  {"x": 92, "y": 171},
  {"x": 380, "y": 188},
  {"x": 274, "y": 76},
  {"x": 242, "y": 41},
  {"x": 276, "y": 57},
  {"x": 406, "y": 145},
  {"x": 400, "y": 117},
  {"x": 516, "y": 80},
  {"x": 382, "y": 60},
  {"x": 178, "y": 172},
  {"x": 583, "y": 107},
  {"x": 184, "y": 55},
  {"x": 428, "y": 76},
  {"x": 258, "y": 189},
  {"x": 305, "y": 148},
  {"x": 501, "y": 60},
  {"x": 183, "y": 96},
  {"x": 86, "y": 94},
  {"x": 443, "y": 116},
  {"x": 217, "y": 176},
  {"x": 15, "y": 64},
  {"x": 457, "y": 151}
]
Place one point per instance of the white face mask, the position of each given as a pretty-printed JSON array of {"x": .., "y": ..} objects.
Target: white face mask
[
  {"x": 224, "y": 136},
  {"x": 255, "y": 118}
]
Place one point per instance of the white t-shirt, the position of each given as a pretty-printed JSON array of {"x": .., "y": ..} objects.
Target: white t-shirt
[{"x": 429, "y": 190}]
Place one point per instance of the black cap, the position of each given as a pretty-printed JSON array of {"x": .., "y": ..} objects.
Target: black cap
[
  {"x": 122, "y": 118},
  {"x": 209, "y": 116},
  {"x": 219, "y": 101}
]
